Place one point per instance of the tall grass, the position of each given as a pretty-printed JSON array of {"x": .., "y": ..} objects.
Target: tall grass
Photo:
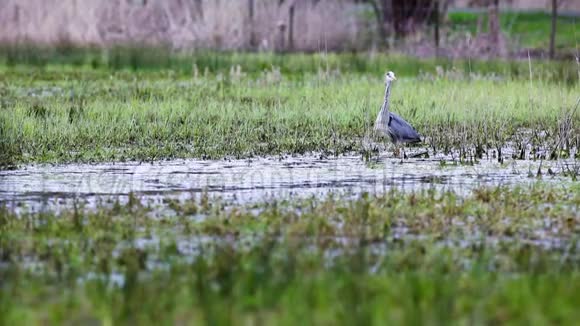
[
  {"x": 80, "y": 114},
  {"x": 140, "y": 58}
]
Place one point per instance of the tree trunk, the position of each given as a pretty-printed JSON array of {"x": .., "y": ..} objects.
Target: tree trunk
[
  {"x": 387, "y": 15},
  {"x": 380, "y": 18}
]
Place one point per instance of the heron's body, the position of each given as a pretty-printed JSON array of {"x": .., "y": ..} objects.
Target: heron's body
[
  {"x": 398, "y": 130},
  {"x": 390, "y": 124}
]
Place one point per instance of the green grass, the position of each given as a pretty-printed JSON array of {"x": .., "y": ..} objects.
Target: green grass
[
  {"x": 414, "y": 258},
  {"x": 528, "y": 29},
  {"x": 137, "y": 58},
  {"x": 398, "y": 258},
  {"x": 70, "y": 114}
]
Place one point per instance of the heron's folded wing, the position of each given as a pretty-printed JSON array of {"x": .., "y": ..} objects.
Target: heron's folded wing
[{"x": 402, "y": 129}]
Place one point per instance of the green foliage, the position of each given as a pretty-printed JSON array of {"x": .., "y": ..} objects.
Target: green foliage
[
  {"x": 528, "y": 29},
  {"x": 65, "y": 114},
  {"x": 138, "y": 58},
  {"x": 497, "y": 255}
]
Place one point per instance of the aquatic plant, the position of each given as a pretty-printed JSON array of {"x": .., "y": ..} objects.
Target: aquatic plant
[{"x": 497, "y": 255}]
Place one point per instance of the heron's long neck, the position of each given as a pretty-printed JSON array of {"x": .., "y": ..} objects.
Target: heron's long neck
[{"x": 384, "y": 114}]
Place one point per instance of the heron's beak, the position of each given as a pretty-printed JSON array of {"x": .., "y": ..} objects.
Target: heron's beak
[{"x": 394, "y": 78}]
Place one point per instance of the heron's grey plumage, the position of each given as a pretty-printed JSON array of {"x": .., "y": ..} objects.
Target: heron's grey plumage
[
  {"x": 390, "y": 124},
  {"x": 400, "y": 131}
]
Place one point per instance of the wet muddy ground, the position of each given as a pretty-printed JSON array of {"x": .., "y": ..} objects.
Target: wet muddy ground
[{"x": 256, "y": 180}]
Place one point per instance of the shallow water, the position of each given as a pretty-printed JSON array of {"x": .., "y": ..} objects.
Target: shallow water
[
  {"x": 46, "y": 187},
  {"x": 247, "y": 181}
]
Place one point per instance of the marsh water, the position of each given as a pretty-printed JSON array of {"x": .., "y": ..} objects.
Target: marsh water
[
  {"x": 53, "y": 187},
  {"x": 39, "y": 187}
]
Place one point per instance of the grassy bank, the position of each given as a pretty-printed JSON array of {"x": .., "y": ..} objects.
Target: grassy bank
[
  {"x": 65, "y": 113},
  {"x": 527, "y": 29},
  {"x": 140, "y": 58},
  {"x": 496, "y": 256}
]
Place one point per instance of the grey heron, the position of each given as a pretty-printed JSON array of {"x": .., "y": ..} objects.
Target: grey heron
[{"x": 390, "y": 124}]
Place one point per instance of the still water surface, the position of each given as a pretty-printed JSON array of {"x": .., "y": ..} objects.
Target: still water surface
[{"x": 255, "y": 180}]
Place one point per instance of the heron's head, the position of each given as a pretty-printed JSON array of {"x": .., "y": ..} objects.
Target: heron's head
[{"x": 390, "y": 76}]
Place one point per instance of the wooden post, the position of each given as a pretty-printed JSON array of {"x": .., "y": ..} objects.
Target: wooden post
[
  {"x": 17, "y": 22},
  {"x": 198, "y": 7},
  {"x": 17, "y": 14},
  {"x": 437, "y": 28},
  {"x": 251, "y": 22},
  {"x": 494, "y": 27},
  {"x": 553, "y": 31},
  {"x": 291, "y": 28},
  {"x": 280, "y": 45}
]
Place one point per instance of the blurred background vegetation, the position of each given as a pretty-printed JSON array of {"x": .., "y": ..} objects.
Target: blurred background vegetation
[{"x": 421, "y": 28}]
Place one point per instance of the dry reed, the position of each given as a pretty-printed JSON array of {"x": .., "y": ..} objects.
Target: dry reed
[{"x": 181, "y": 24}]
